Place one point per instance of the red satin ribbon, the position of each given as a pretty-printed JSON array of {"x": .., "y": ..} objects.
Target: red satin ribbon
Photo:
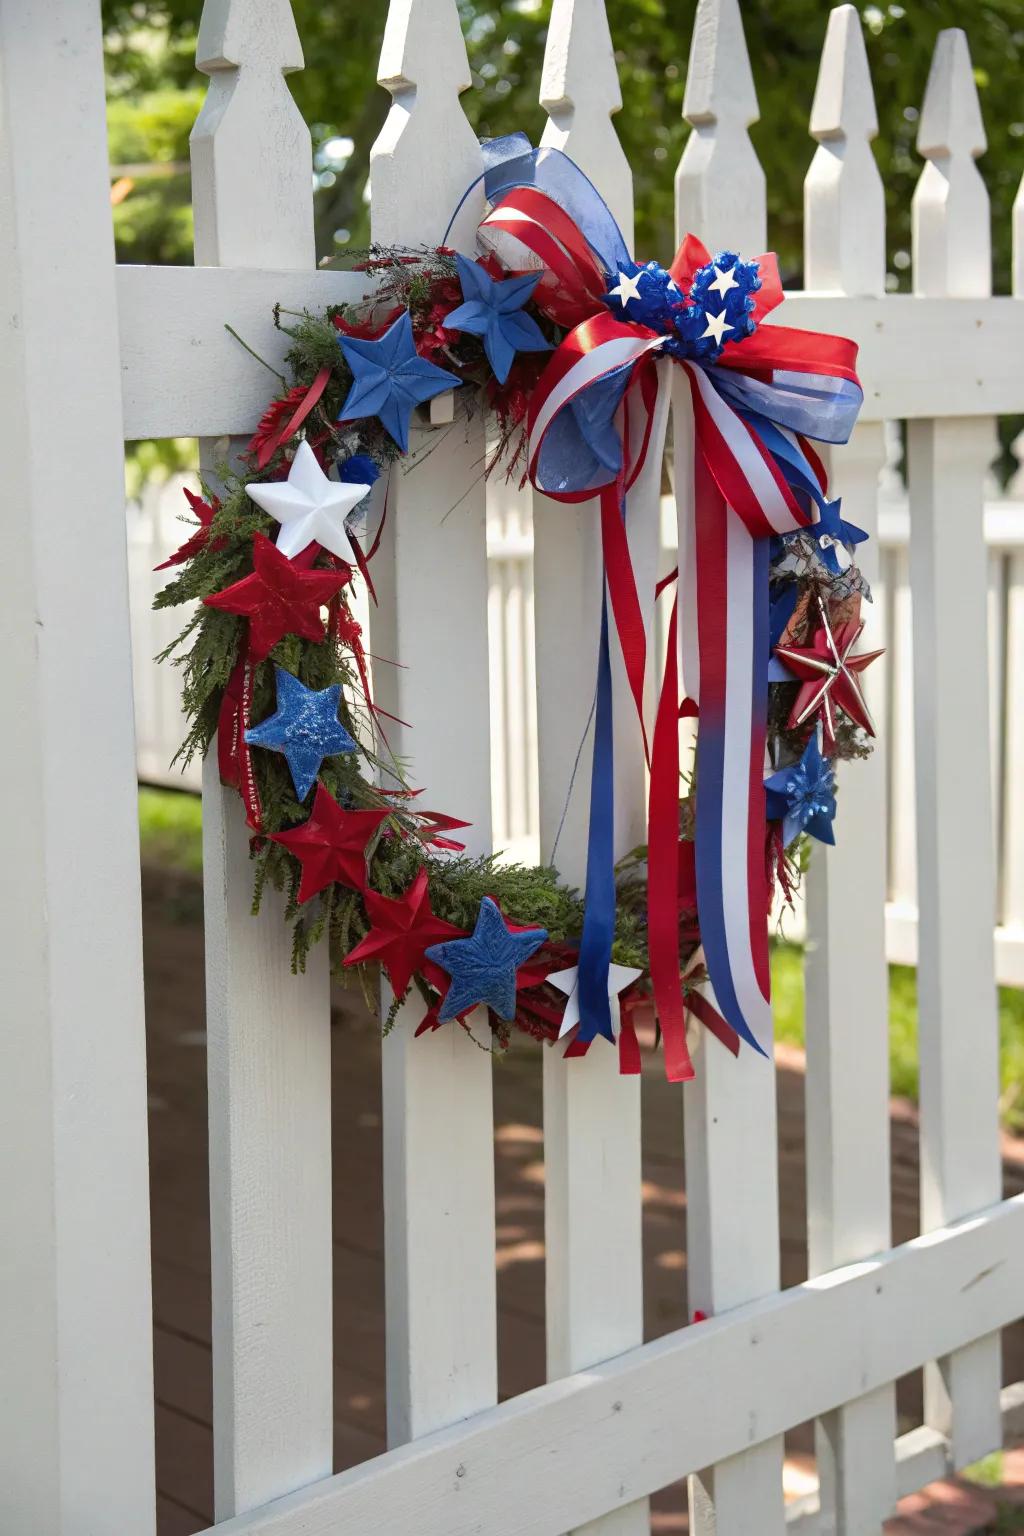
[
  {"x": 234, "y": 760},
  {"x": 288, "y": 431},
  {"x": 663, "y": 870}
]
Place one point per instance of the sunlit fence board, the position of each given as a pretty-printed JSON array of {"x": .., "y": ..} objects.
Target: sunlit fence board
[
  {"x": 76, "y": 1412},
  {"x": 431, "y": 577},
  {"x": 729, "y": 1111},
  {"x": 268, "y": 1032},
  {"x": 958, "y": 1031},
  {"x": 591, "y": 1114},
  {"x": 847, "y": 1088},
  {"x": 556, "y": 1457}
]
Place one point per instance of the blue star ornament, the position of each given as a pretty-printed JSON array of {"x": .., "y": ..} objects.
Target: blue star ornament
[
  {"x": 483, "y": 967},
  {"x": 802, "y": 796},
  {"x": 305, "y": 728},
  {"x": 389, "y": 379},
  {"x": 493, "y": 309}
]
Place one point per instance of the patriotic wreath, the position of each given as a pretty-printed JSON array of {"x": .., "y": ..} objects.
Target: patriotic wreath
[{"x": 572, "y": 346}]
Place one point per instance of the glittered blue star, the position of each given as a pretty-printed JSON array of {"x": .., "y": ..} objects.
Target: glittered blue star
[
  {"x": 493, "y": 309},
  {"x": 483, "y": 967},
  {"x": 831, "y": 529},
  {"x": 305, "y": 728},
  {"x": 802, "y": 796},
  {"x": 389, "y": 379}
]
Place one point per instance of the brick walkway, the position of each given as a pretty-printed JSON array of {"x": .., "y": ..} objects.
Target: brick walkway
[{"x": 174, "y": 995}]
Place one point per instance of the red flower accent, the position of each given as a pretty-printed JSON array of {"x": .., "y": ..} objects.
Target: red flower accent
[
  {"x": 206, "y": 511},
  {"x": 274, "y": 418}
]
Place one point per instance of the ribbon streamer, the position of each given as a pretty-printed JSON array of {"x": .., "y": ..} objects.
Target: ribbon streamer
[{"x": 755, "y": 402}]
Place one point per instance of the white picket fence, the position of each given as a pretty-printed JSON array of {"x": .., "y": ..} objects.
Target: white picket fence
[{"x": 619, "y": 1418}]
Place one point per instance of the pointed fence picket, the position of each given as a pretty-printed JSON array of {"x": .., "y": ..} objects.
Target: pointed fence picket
[
  {"x": 947, "y": 459},
  {"x": 76, "y": 1413},
  {"x": 268, "y": 1033},
  {"x": 847, "y": 1094},
  {"x": 617, "y": 1419},
  {"x": 729, "y": 1110},
  {"x": 592, "y": 1210},
  {"x": 438, "y": 1123}
]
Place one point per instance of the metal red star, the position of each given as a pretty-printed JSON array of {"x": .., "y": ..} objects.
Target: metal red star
[
  {"x": 278, "y": 599},
  {"x": 331, "y": 845},
  {"x": 828, "y": 670},
  {"x": 400, "y": 932}
]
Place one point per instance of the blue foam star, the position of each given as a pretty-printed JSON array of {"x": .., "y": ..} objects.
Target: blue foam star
[
  {"x": 483, "y": 967},
  {"x": 802, "y": 796},
  {"x": 389, "y": 379},
  {"x": 305, "y": 728},
  {"x": 493, "y": 309},
  {"x": 831, "y": 529}
]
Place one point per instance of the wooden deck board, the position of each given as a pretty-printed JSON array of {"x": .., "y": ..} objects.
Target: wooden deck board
[{"x": 181, "y": 1284}]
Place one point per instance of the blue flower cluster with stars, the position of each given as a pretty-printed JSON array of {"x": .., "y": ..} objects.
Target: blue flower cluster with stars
[{"x": 648, "y": 295}]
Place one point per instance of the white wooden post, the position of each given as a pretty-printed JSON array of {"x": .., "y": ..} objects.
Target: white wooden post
[
  {"x": 76, "y": 1411},
  {"x": 431, "y": 578},
  {"x": 960, "y": 1169},
  {"x": 268, "y": 1032},
  {"x": 847, "y": 999},
  {"x": 729, "y": 1110},
  {"x": 592, "y": 1211},
  {"x": 1012, "y": 893}
]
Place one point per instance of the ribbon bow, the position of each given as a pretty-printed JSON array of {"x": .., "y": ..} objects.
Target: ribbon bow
[{"x": 596, "y": 418}]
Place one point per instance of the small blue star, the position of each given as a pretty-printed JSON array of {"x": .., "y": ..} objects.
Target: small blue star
[
  {"x": 830, "y": 530},
  {"x": 483, "y": 967},
  {"x": 305, "y": 728},
  {"x": 802, "y": 796},
  {"x": 389, "y": 379},
  {"x": 493, "y": 309}
]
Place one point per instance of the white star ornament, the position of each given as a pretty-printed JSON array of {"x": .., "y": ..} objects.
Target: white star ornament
[
  {"x": 626, "y": 288},
  {"x": 715, "y": 326},
  {"x": 619, "y": 978},
  {"x": 310, "y": 507},
  {"x": 723, "y": 282}
]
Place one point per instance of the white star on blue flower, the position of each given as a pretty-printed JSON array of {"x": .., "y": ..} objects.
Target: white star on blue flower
[
  {"x": 802, "y": 796},
  {"x": 483, "y": 967},
  {"x": 305, "y": 728},
  {"x": 389, "y": 379},
  {"x": 493, "y": 309}
]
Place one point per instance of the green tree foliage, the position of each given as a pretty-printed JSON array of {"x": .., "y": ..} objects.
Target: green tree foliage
[{"x": 155, "y": 93}]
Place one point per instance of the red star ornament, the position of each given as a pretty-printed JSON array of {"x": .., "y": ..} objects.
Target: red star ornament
[
  {"x": 400, "y": 932},
  {"x": 331, "y": 845},
  {"x": 829, "y": 670},
  {"x": 278, "y": 599}
]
